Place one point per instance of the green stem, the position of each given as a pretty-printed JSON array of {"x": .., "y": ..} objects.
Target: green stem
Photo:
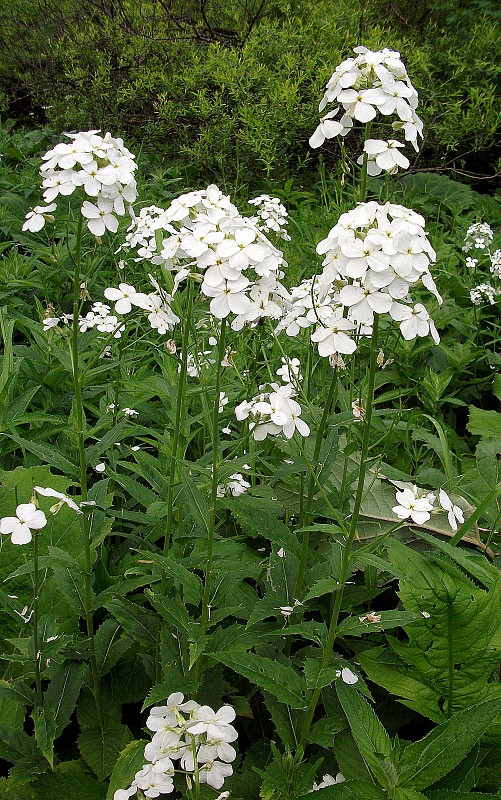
[
  {"x": 179, "y": 418},
  {"x": 305, "y": 520},
  {"x": 344, "y": 571},
  {"x": 80, "y": 432},
  {"x": 36, "y": 641},
  {"x": 211, "y": 526}
]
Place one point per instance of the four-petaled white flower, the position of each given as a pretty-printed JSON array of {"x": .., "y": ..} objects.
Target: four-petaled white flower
[
  {"x": 454, "y": 513},
  {"x": 27, "y": 518},
  {"x": 409, "y": 505}
]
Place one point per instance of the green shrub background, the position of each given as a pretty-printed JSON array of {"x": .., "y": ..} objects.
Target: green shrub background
[{"x": 231, "y": 89}]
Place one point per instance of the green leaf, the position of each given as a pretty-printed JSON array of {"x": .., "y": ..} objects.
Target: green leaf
[
  {"x": 139, "y": 623},
  {"x": 110, "y": 645},
  {"x": 260, "y": 517},
  {"x": 173, "y": 610},
  {"x": 450, "y": 655},
  {"x": 425, "y": 762},
  {"x": 484, "y": 423},
  {"x": 281, "y": 680},
  {"x": 190, "y": 583},
  {"x": 196, "y": 502},
  {"x": 372, "y": 740},
  {"x": 321, "y": 587},
  {"x": 358, "y": 625},
  {"x": 130, "y": 761},
  {"x": 100, "y": 747},
  {"x": 47, "y": 454},
  {"x": 62, "y": 693},
  {"x": 45, "y": 733},
  {"x": 70, "y": 779}
]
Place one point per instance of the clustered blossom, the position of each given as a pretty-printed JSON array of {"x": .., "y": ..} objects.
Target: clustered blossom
[
  {"x": 372, "y": 257},
  {"x": 290, "y": 371},
  {"x": 418, "y": 505},
  {"x": 480, "y": 237},
  {"x": 362, "y": 87},
  {"x": 191, "y": 734},
  {"x": 100, "y": 165},
  {"x": 271, "y": 216},
  {"x": 273, "y": 413},
  {"x": 483, "y": 293},
  {"x": 203, "y": 232},
  {"x": 234, "y": 486}
]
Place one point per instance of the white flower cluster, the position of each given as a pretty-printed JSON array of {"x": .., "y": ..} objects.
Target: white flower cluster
[
  {"x": 234, "y": 486},
  {"x": 480, "y": 237},
  {"x": 203, "y": 231},
  {"x": 157, "y": 304},
  {"x": 197, "y": 736},
  {"x": 483, "y": 293},
  {"x": 272, "y": 413},
  {"x": 271, "y": 216},
  {"x": 372, "y": 257},
  {"x": 326, "y": 781},
  {"x": 418, "y": 505},
  {"x": 102, "y": 166},
  {"x": 361, "y": 87},
  {"x": 290, "y": 371}
]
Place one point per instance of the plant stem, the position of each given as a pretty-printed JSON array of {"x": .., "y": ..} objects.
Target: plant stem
[
  {"x": 311, "y": 484},
  {"x": 180, "y": 414},
  {"x": 348, "y": 545},
  {"x": 80, "y": 431},
  {"x": 36, "y": 642},
  {"x": 211, "y": 522}
]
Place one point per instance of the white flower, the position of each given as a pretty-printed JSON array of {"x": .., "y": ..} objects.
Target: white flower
[
  {"x": 213, "y": 723},
  {"x": 27, "y": 518},
  {"x": 347, "y": 676},
  {"x": 37, "y": 217},
  {"x": 125, "y": 297},
  {"x": 100, "y": 467},
  {"x": 100, "y": 216},
  {"x": 328, "y": 780},
  {"x": 409, "y": 505},
  {"x": 213, "y": 773},
  {"x": 454, "y": 513},
  {"x": 48, "y": 492},
  {"x": 50, "y": 322},
  {"x": 130, "y": 412}
]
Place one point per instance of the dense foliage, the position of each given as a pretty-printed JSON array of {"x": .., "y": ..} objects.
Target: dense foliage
[{"x": 230, "y": 89}]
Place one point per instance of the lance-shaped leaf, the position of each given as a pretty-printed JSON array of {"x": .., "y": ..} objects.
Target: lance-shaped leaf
[
  {"x": 281, "y": 680},
  {"x": 425, "y": 762},
  {"x": 372, "y": 739}
]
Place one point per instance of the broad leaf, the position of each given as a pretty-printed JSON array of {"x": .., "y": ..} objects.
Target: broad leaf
[
  {"x": 281, "y": 680},
  {"x": 425, "y": 762}
]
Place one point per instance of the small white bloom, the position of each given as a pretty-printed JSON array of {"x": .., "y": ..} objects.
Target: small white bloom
[
  {"x": 27, "y": 518},
  {"x": 64, "y": 499},
  {"x": 454, "y": 513}
]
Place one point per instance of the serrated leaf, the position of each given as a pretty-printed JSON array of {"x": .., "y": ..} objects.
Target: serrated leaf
[
  {"x": 61, "y": 695},
  {"x": 348, "y": 790},
  {"x": 110, "y": 645},
  {"x": 358, "y": 625},
  {"x": 190, "y": 583},
  {"x": 100, "y": 747},
  {"x": 425, "y": 762},
  {"x": 139, "y": 623},
  {"x": 45, "y": 733},
  {"x": 281, "y": 680},
  {"x": 316, "y": 677},
  {"x": 372, "y": 739},
  {"x": 196, "y": 502},
  {"x": 47, "y": 454},
  {"x": 447, "y": 662},
  {"x": 130, "y": 761},
  {"x": 486, "y": 424}
]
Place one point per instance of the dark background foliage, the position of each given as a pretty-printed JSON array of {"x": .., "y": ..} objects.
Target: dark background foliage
[{"x": 230, "y": 89}]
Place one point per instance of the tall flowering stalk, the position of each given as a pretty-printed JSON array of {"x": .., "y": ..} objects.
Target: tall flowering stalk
[{"x": 101, "y": 168}]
